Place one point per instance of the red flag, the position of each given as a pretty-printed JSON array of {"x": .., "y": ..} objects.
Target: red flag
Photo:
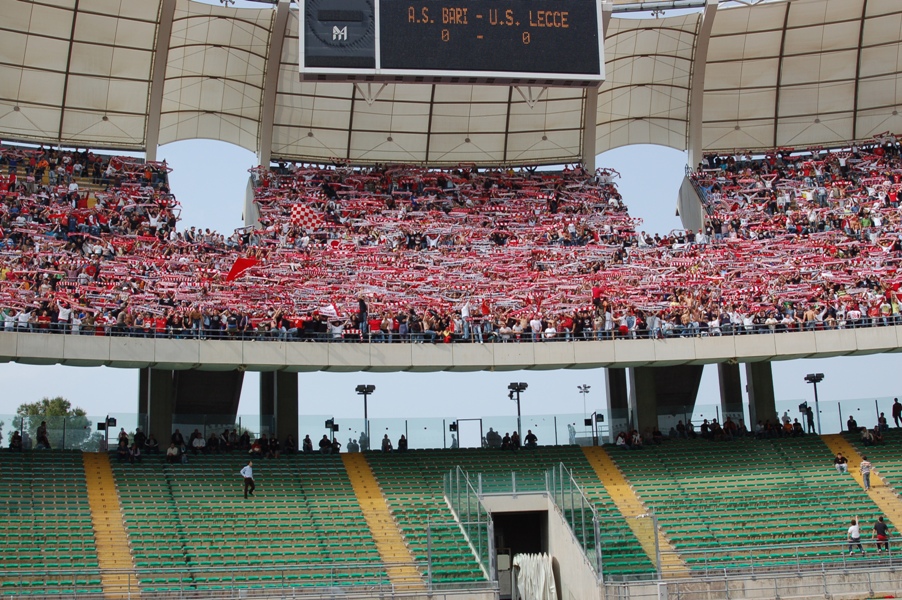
[{"x": 241, "y": 265}]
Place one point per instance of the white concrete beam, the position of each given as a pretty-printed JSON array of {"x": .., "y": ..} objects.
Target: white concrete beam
[
  {"x": 271, "y": 83},
  {"x": 697, "y": 85},
  {"x": 158, "y": 79},
  {"x": 210, "y": 355}
]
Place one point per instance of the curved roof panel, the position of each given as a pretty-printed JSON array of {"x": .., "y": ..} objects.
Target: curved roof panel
[
  {"x": 780, "y": 73},
  {"x": 76, "y": 70},
  {"x": 803, "y": 73},
  {"x": 645, "y": 99},
  {"x": 214, "y": 74}
]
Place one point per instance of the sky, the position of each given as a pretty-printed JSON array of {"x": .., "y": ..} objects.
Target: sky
[{"x": 210, "y": 178}]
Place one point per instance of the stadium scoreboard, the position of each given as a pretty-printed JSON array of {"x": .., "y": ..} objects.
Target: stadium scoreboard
[{"x": 535, "y": 42}]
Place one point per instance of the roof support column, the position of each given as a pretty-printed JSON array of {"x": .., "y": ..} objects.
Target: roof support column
[
  {"x": 271, "y": 83},
  {"x": 590, "y": 116},
  {"x": 590, "y": 102},
  {"x": 697, "y": 85},
  {"x": 158, "y": 79}
]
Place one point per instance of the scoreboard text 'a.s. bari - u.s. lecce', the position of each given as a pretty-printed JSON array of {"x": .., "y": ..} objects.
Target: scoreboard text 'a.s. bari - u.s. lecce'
[{"x": 533, "y": 42}]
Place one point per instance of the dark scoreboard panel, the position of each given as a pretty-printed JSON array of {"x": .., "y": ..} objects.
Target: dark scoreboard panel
[{"x": 548, "y": 42}]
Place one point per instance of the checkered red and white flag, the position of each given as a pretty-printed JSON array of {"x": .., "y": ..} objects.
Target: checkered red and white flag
[{"x": 305, "y": 217}]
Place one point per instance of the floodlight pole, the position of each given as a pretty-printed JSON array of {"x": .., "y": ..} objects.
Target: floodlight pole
[
  {"x": 365, "y": 391},
  {"x": 516, "y": 388},
  {"x": 814, "y": 378},
  {"x": 584, "y": 389}
]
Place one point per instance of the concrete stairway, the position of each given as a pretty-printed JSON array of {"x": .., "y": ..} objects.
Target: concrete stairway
[
  {"x": 114, "y": 557},
  {"x": 630, "y": 506},
  {"x": 394, "y": 553}
]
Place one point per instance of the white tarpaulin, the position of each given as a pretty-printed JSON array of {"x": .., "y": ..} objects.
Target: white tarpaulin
[{"x": 535, "y": 579}]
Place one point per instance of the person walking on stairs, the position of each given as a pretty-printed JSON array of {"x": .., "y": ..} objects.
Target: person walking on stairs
[
  {"x": 248, "y": 473},
  {"x": 855, "y": 538},
  {"x": 881, "y": 533},
  {"x": 866, "y": 467}
]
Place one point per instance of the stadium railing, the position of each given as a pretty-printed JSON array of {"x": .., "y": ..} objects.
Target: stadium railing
[{"x": 474, "y": 518}]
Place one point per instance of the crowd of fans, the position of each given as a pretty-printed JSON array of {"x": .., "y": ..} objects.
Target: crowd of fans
[{"x": 793, "y": 240}]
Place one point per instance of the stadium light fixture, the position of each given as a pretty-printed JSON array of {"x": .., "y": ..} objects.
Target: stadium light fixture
[
  {"x": 814, "y": 379},
  {"x": 365, "y": 390},
  {"x": 515, "y": 389}
]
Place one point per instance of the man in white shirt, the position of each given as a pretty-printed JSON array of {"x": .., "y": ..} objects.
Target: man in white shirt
[
  {"x": 248, "y": 473},
  {"x": 63, "y": 317},
  {"x": 24, "y": 320},
  {"x": 855, "y": 537},
  {"x": 535, "y": 325}
]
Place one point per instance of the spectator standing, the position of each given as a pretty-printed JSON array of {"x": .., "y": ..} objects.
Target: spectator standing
[
  {"x": 139, "y": 437},
  {"x": 42, "y": 437},
  {"x": 881, "y": 533},
  {"x": 809, "y": 415},
  {"x": 248, "y": 473},
  {"x": 855, "y": 537},
  {"x": 386, "y": 444},
  {"x": 897, "y": 411},
  {"x": 866, "y": 467}
]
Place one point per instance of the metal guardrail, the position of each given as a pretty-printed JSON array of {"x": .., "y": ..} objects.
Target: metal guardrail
[
  {"x": 354, "y": 336},
  {"x": 475, "y": 519},
  {"x": 347, "y": 580}
]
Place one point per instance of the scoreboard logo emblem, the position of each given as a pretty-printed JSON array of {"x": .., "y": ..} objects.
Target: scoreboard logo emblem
[{"x": 339, "y": 33}]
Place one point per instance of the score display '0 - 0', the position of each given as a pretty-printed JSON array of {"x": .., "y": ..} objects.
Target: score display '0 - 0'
[{"x": 454, "y": 16}]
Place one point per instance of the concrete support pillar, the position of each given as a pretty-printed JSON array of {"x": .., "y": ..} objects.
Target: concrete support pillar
[
  {"x": 618, "y": 401},
  {"x": 159, "y": 397},
  {"x": 279, "y": 403},
  {"x": 644, "y": 398},
  {"x": 143, "y": 377},
  {"x": 762, "y": 404},
  {"x": 730, "y": 392}
]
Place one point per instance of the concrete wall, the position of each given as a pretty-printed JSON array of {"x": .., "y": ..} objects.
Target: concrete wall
[
  {"x": 210, "y": 355},
  {"x": 577, "y": 579},
  {"x": 689, "y": 207},
  {"x": 866, "y": 582}
]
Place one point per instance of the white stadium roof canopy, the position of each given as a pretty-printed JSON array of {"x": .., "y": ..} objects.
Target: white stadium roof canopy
[{"x": 130, "y": 74}]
